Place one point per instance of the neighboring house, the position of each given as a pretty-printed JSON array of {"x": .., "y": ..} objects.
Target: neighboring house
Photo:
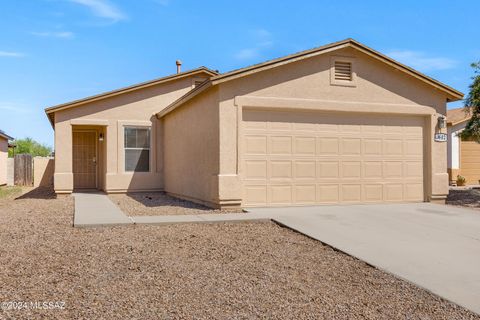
[
  {"x": 341, "y": 123},
  {"x": 4, "y": 138},
  {"x": 463, "y": 155}
]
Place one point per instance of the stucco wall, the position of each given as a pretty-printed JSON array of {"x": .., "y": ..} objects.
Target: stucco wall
[
  {"x": 191, "y": 149},
  {"x": 43, "y": 169},
  {"x": 110, "y": 115},
  {"x": 3, "y": 160},
  {"x": 377, "y": 84}
]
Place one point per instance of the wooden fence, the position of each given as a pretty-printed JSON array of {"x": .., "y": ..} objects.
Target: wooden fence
[{"x": 23, "y": 170}]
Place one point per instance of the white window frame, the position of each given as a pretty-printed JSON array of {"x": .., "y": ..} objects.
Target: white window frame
[
  {"x": 149, "y": 128},
  {"x": 343, "y": 83}
]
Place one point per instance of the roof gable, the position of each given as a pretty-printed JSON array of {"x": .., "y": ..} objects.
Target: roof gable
[
  {"x": 452, "y": 94},
  {"x": 50, "y": 111}
]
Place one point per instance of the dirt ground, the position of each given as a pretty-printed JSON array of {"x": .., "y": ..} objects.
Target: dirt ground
[
  {"x": 209, "y": 271},
  {"x": 158, "y": 204},
  {"x": 464, "y": 198}
]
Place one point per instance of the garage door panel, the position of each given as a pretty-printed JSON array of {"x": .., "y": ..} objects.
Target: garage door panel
[
  {"x": 393, "y": 192},
  {"x": 392, "y": 147},
  {"x": 280, "y": 194},
  {"x": 255, "y": 195},
  {"x": 373, "y": 192},
  {"x": 351, "y": 146},
  {"x": 280, "y": 145},
  {"x": 305, "y": 170},
  {"x": 372, "y": 147},
  {"x": 328, "y": 146},
  {"x": 328, "y": 170},
  {"x": 256, "y": 169},
  {"x": 255, "y": 145},
  {"x": 328, "y": 193},
  {"x": 280, "y": 169},
  {"x": 413, "y": 191},
  {"x": 372, "y": 169},
  {"x": 351, "y": 192},
  {"x": 413, "y": 147},
  {"x": 414, "y": 169},
  {"x": 313, "y": 158},
  {"x": 305, "y": 194},
  {"x": 305, "y": 146},
  {"x": 392, "y": 169},
  {"x": 351, "y": 169}
]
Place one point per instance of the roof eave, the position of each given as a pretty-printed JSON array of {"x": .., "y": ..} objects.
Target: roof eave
[
  {"x": 452, "y": 94},
  {"x": 50, "y": 110},
  {"x": 6, "y": 136}
]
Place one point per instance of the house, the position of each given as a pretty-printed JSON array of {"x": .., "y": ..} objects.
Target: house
[
  {"x": 341, "y": 123},
  {"x": 463, "y": 155},
  {"x": 4, "y": 138}
]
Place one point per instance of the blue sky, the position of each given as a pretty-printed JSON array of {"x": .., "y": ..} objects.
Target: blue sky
[{"x": 54, "y": 51}]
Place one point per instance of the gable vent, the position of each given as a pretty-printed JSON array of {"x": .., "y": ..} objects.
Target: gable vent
[{"x": 343, "y": 70}]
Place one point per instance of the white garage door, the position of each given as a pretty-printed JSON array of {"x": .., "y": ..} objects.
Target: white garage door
[{"x": 306, "y": 158}]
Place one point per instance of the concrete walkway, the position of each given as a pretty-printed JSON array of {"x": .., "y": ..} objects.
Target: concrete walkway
[
  {"x": 96, "y": 209},
  {"x": 436, "y": 247}
]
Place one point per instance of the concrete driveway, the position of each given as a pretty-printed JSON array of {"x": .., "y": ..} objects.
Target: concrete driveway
[{"x": 437, "y": 247}]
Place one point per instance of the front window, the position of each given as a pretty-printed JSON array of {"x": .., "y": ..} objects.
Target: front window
[{"x": 137, "y": 149}]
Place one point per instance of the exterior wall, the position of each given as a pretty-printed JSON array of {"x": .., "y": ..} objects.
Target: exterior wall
[
  {"x": 110, "y": 116},
  {"x": 306, "y": 84},
  {"x": 10, "y": 171},
  {"x": 3, "y": 160},
  {"x": 453, "y": 145},
  {"x": 191, "y": 157},
  {"x": 43, "y": 170}
]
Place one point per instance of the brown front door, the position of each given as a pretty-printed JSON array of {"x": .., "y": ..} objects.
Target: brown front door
[{"x": 84, "y": 159}]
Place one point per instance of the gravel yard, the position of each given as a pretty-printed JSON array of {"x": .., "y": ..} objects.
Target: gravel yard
[
  {"x": 209, "y": 271},
  {"x": 159, "y": 204},
  {"x": 464, "y": 198}
]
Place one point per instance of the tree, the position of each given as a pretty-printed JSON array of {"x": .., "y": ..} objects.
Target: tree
[
  {"x": 30, "y": 146},
  {"x": 472, "y": 106}
]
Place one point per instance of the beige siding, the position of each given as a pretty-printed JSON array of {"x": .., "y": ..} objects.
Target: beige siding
[{"x": 191, "y": 149}]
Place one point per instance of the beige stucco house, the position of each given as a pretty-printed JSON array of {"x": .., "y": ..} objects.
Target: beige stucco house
[
  {"x": 4, "y": 138},
  {"x": 341, "y": 123},
  {"x": 463, "y": 155}
]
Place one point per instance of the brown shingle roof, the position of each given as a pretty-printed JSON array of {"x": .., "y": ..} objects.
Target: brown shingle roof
[{"x": 455, "y": 116}]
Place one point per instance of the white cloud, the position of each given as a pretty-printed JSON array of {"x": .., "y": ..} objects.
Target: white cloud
[
  {"x": 421, "y": 61},
  {"x": 11, "y": 54},
  {"x": 61, "y": 34},
  {"x": 103, "y": 9},
  {"x": 262, "y": 39}
]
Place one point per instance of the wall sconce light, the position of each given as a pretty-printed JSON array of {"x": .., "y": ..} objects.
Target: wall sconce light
[
  {"x": 441, "y": 122},
  {"x": 100, "y": 137}
]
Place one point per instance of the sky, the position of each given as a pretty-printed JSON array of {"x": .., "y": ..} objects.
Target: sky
[{"x": 55, "y": 51}]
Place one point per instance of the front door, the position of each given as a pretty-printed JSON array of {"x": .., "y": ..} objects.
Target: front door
[{"x": 84, "y": 159}]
